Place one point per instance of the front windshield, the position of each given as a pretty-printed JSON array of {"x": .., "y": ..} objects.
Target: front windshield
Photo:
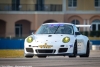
[{"x": 55, "y": 29}]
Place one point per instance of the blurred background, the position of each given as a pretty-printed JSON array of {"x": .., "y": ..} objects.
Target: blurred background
[{"x": 19, "y": 18}]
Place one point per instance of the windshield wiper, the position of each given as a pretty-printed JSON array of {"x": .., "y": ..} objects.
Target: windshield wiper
[{"x": 56, "y": 29}]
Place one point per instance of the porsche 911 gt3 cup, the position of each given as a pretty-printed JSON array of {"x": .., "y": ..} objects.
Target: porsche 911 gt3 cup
[{"x": 57, "y": 39}]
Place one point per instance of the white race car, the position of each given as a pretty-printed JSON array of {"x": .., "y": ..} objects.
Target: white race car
[{"x": 57, "y": 39}]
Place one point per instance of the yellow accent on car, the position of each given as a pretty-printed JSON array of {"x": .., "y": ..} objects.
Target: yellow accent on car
[
  {"x": 66, "y": 40},
  {"x": 29, "y": 39},
  {"x": 45, "y": 46}
]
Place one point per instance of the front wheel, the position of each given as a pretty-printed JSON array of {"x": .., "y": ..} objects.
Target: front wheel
[
  {"x": 87, "y": 51},
  {"x": 74, "y": 50}
]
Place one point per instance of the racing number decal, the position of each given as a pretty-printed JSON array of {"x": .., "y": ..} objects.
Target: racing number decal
[
  {"x": 45, "y": 46},
  {"x": 80, "y": 44}
]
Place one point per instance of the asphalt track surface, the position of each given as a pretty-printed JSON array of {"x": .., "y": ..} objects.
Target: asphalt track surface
[{"x": 53, "y": 61}]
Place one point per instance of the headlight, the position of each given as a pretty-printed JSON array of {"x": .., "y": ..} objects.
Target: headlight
[
  {"x": 66, "y": 40},
  {"x": 29, "y": 39}
]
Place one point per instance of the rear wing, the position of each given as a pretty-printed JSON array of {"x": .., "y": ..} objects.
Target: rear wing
[{"x": 83, "y": 26}]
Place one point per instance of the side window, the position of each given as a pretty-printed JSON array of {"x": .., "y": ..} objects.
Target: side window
[
  {"x": 97, "y": 3},
  {"x": 67, "y": 29},
  {"x": 15, "y": 5},
  {"x": 95, "y": 25},
  {"x": 72, "y": 3}
]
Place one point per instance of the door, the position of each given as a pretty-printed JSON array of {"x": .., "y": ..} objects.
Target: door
[
  {"x": 15, "y": 5},
  {"x": 18, "y": 30},
  {"x": 40, "y": 5},
  {"x": 93, "y": 27}
]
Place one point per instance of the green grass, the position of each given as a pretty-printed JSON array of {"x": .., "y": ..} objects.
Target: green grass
[{"x": 11, "y": 53}]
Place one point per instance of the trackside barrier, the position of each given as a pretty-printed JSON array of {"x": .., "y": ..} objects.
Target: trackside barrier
[
  {"x": 95, "y": 44},
  {"x": 19, "y": 44},
  {"x": 95, "y": 47},
  {"x": 11, "y": 44},
  {"x": 91, "y": 45}
]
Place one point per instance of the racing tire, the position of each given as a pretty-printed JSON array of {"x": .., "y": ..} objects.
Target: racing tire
[
  {"x": 74, "y": 51},
  {"x": 41, "y": 56},
  {"x": 87, "y": 51},
  {"x": 29, "y": 56}
]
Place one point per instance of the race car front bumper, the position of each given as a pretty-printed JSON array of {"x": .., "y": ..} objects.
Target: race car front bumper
[
  {"x": 47, "y": 52},
  {"x": 47, "y": 49}
]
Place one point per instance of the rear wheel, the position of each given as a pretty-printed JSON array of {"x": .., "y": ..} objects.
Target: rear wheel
[
  {"x": 87, "y": 51},
  {"x": 42, "y": 56},
  {"x": 74, "y": 50}
]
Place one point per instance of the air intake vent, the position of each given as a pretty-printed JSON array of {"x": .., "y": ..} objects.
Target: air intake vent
[
  {"x": 62, "y": 50},
  {"x": 49, "y": 35},
  {"x": 29, "y": 49},
  {"x": 62, "y": 46},
  {"x": 45, "y": 51}
]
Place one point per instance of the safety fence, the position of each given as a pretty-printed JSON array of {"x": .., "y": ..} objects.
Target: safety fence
[
  {"x": 95, "y": 42},
  {"x": 19, "y": 43},
  {"x": 11, "y": 43}
]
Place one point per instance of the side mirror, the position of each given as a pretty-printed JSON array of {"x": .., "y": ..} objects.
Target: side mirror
[
  {"x": 77, "y": 33},
  {"x": 32, "y": 33}
]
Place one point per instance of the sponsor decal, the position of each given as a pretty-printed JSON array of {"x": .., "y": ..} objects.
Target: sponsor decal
[
  {"x": 52, "y": 25},
  {"x": 70, "y": 46},
  {"x": 80, "y": 42},
  {"x": 45, "y": 46}
]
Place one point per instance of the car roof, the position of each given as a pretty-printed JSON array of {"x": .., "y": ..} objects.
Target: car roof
[{"x": 59, "y": 23}]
